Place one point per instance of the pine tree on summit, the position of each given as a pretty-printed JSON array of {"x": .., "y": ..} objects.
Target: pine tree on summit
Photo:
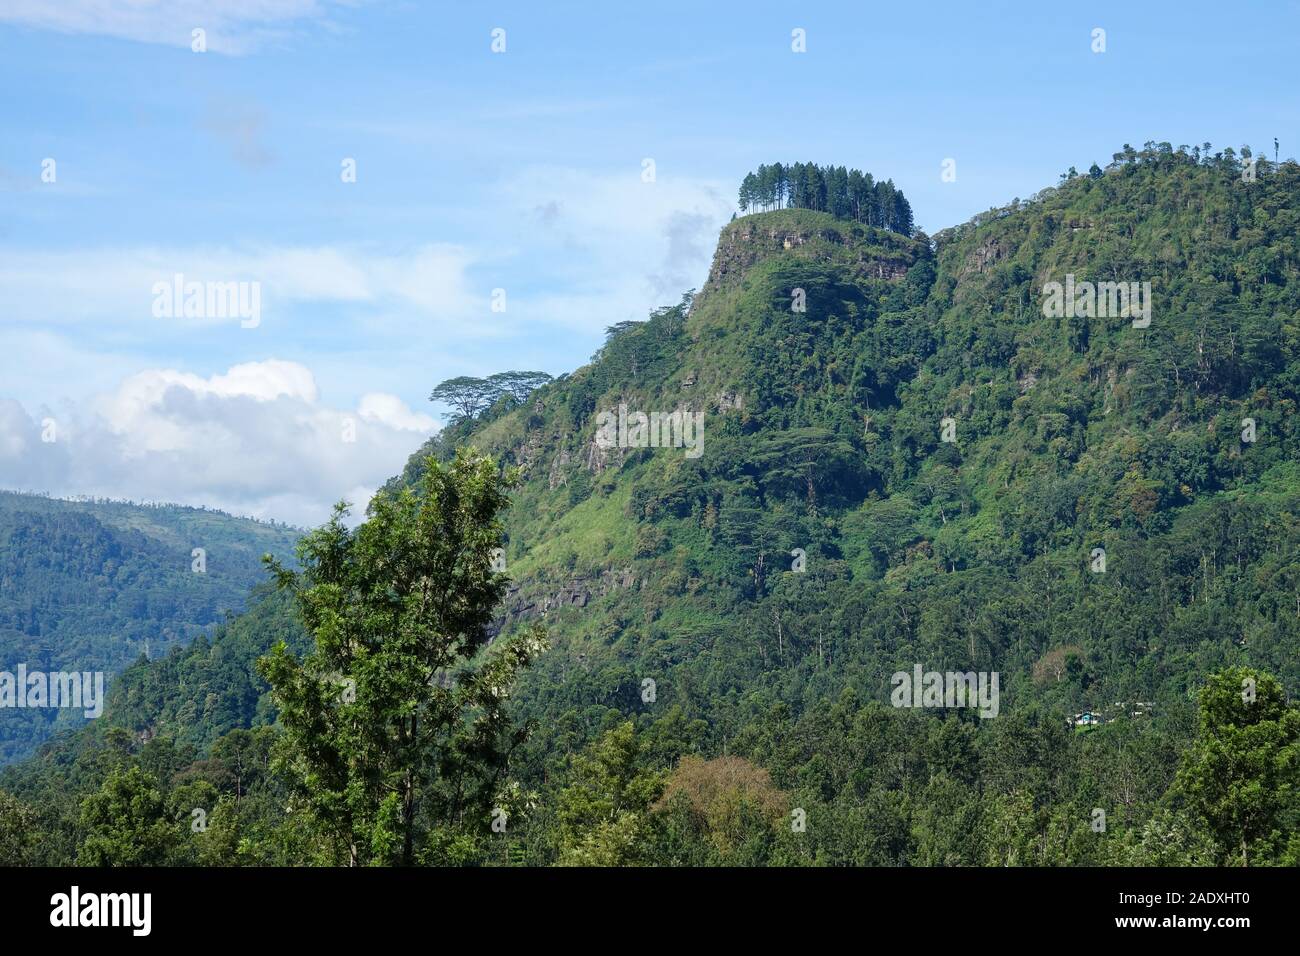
[{"x": 844, "y": 193}]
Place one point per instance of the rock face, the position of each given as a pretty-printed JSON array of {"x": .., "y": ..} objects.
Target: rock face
[
  {"x": 557, "y": 477},
  {"x": 872, "y": 253},
  {"x": 543, "y": 598},
  {"x": 596, "y": 458},
  {"x": 984, "y": 256},
  {"x": 527, "y": 454},
  {"x": 728, "y": 400}
]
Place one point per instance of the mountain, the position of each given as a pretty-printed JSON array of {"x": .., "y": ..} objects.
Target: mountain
[
  {"x": 879, "y": 453},
  {"x": 823, "y": 430},
  {"x": 94, "y": 585},
  {"x": 1078, "y": 440}
]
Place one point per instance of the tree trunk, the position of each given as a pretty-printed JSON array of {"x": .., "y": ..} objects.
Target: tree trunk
[{"x": 408, "y": 808}]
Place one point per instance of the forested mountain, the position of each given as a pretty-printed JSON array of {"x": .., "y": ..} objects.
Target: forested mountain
[
  {"x": 94, "y": 585},
  {"x": 904, "y": 459}
]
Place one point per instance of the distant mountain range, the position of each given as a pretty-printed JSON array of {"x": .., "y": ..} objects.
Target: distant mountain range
[{"x": 94, "y": 585}]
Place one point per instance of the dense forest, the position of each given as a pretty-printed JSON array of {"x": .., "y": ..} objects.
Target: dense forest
[
  {"x": 94, "y": 585},
  {"x": 844, "y": 193},
  {"x": 688, "y": 661}
]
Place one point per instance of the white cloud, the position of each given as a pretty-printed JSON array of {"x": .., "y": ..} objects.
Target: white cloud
[
  {"x": 615, "y": 247},
  {"x": 392, "y": 411},
  {"x": 254, "y": 440},
  {"x": 117, "y": 285},
  {"x": 233, "y": 26}
]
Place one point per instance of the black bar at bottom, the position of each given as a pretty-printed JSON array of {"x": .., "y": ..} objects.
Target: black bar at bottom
[{"x": 334, "y": 906}]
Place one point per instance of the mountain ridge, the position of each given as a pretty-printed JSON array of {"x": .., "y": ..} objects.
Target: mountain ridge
[{"x": 1023, "y": 247}]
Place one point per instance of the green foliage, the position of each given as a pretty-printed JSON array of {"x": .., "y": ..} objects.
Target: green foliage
[
  {"x": 822, "y": 433},
  {"x": 1242, "y": 776},
  {"x": 92, "y": 585},
  {"x": 469, "y": 396},
  {"x": 125, "y": 823},
  {"x": 844, "y": 193},
  {"x": 603, "y": 812},
  {"x": 18, "y": 832},
  {"x": 197, "y": 694},
  {"x": 394, "y": 723}
]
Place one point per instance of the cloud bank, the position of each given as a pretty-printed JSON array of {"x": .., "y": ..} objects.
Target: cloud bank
[{"x": 256, "y": 440}]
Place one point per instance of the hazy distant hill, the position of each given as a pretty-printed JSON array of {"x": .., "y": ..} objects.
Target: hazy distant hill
[{"x": 88, "y": 586}]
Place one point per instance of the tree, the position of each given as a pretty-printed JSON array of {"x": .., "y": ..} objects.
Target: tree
[
  {"x": 395, "y": 734},
  {"x": 728, "y": 802},
  {"x": 18, "y": 832},
  {"x": 845, "y": 193},
  {"x": 837, "y": 192},
  {"x": 748, "y": 192},
  {"x": 603, "y": 811},
  {"x": 813, "y": 189},
  {"x": 901, "y": 213},
  {"x": 518, "y": 385},
  {"x": 468, "y": 396},
  {"x": 126, "y": 823},
  {"x": 1242, "y": 775}
]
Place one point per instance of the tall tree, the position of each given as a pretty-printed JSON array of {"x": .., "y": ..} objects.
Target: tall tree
[
  {"x": 518, "y": 385},
  {"x": 19, "y": 832},
  {"x": 748, "y": 192},
  {"x": 814, "y": 188},
  {"x": 395, "y": 734},
  {"x": 603, "y": 812},
  {"x": 125, "y": 823},
  {"x": 1242, "y": 776},
  {"x": 845, "y": 193},
  {"x": 468, "y": 396}
]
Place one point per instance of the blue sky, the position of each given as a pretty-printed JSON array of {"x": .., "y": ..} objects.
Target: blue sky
[{"x": 478, "y": 171}]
